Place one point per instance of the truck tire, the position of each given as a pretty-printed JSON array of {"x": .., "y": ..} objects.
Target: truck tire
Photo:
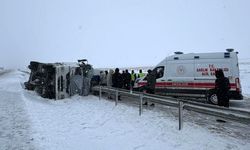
[{"x": 212, "y": 97}]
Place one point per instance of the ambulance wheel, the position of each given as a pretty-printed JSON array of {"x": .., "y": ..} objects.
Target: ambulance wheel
[{"x": 212, "y": 98}]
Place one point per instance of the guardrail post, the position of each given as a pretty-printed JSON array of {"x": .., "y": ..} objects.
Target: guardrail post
[
  {"x": 116, "y": 97},
  {"x": 180, "y": 115},
  {"x": 140, "y": 106},
  {"x": 100, "y": 93}
]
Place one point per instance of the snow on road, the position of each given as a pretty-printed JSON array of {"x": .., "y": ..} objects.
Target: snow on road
[
  {"x": 87, "y": 123},
  {"x": 90, "y": 123},
  {"x": 245, "y": 78},
  {"x": 14, "y": 123}
]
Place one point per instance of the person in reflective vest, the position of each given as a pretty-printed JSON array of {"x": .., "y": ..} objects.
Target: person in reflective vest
[
  {"x": 133, "y": 78},
  {"x": 141, "y": 74}
]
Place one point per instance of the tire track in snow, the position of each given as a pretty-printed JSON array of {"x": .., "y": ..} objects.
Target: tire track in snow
[
  {"x": 15, "y": 129},
  {"x": 14, "y": 125}
]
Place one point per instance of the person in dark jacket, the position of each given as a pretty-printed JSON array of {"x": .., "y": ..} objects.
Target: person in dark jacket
[
  {"x": 151, "y": 80},
  {"x": 117, "y": 80},
  {"x": 95, "y": 80},
  {"x": 150, "y": 87},
  {"x": 123, "y": 78},
  {"x": 127, "y": 80},
  {"x": 222, "y": 87}
]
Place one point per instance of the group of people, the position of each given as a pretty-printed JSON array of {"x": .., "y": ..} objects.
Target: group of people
[
  {"x": 126, "y": 81},
  {"x": 116, "y": 79}
]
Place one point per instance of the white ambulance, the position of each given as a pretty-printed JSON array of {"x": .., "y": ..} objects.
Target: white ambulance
[{"x": 193, "y": 75}]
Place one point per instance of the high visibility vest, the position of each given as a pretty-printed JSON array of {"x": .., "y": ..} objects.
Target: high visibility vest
[
  {"x": 141, "y": 75},
  {"x": 132, "y": 77}
]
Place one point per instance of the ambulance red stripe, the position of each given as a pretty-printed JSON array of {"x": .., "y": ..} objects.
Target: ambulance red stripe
[{"x": 185, "y": 84}]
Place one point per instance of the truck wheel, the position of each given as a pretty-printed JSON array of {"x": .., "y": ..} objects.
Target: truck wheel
[{"x": 212, "y": 98}]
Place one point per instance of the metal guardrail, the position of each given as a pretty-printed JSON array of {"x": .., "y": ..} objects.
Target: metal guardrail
[{"x": 208, "y": 109}]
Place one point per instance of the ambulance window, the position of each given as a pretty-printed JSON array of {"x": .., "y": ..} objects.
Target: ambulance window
[{"x": 159, "y": 71}]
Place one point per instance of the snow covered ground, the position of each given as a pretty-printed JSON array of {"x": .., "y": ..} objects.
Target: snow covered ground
[
  {"x": 245, "y": 78},
  {"x": 28, "y": 121}
]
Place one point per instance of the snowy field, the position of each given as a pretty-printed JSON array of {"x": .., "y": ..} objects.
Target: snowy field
[
  {"x": 28, "y": 121},
  {"x": 245, "y": 78}
]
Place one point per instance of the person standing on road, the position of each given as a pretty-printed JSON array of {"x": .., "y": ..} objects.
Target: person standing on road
[
  {"x": 123, "y": 75},
  {"x": 150, "y": 87},
  {"x": 141, "y": 74},
  {"x": 109, "y": 81},
  {"x": 103, "y": 78},
  {"x": 222, "y": 87},
  {"x": 109, "y": 78},
  {"x": 117, "y": 80},
  {"x": 127, "y": 80},
  {"x": 151, "y": 80},
  {"x": 133, "y": 78}
]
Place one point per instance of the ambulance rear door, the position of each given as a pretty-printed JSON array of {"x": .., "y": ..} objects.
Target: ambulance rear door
[{"x": 205, "y": 71}]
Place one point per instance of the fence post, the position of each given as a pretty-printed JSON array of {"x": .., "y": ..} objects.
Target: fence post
[
  {"x": 180, "y": 114},
  {"x": 140, "y": 106},
  {"x": 116, "y": 97},
  {"x": 100, "y": 93}
]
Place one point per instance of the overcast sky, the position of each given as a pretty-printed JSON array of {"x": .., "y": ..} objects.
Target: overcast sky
[{"x": 119, "y": 33}]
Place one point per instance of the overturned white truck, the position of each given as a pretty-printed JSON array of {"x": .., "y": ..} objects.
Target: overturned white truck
[
  {"x": 60, "y": 80},
  {"x": 193, "y": 75}
]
